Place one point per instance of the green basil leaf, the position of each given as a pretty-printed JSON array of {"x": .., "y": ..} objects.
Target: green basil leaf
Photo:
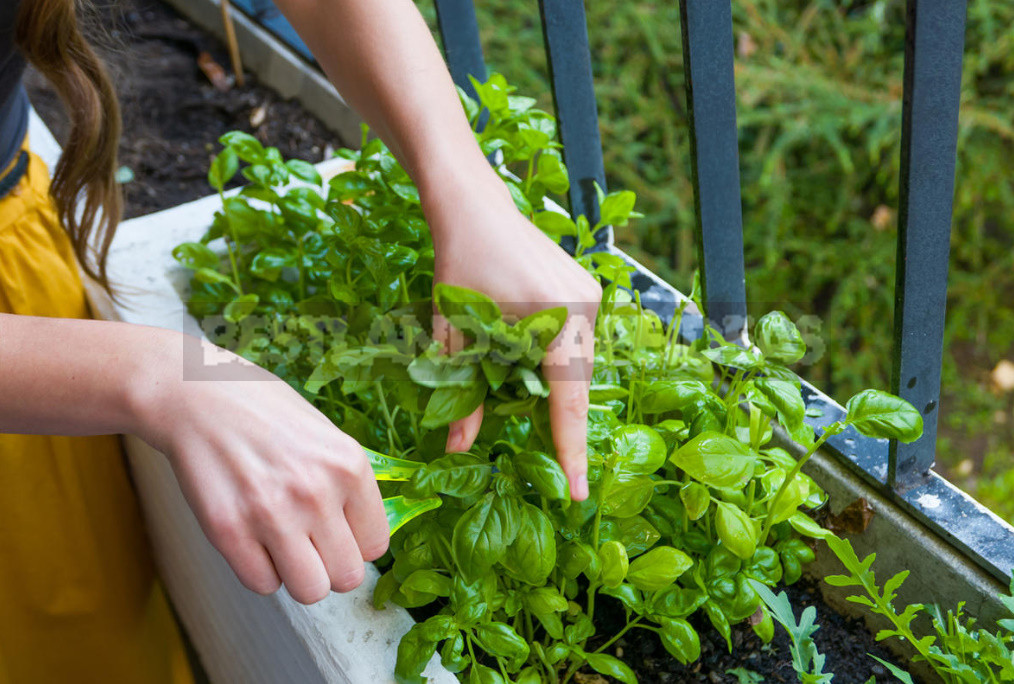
[
  {"x": 406, "y": 190},
  {"x": 452, "y": 654},
  {"x": 611, "y": 666},
  {"x": 696, "y": 499},
  {"x": 260, "y": 174},
  {"x": 349, "y": 186},
  {"x": 613, "y": 556},
  {"x": 736, "y": 530},
  {"x": 482, "y": 534},
  {"x": 298, "y": 212},
  {"x": 439, "y": 627},
  {"x": 243, "y": 220},
  {"x": 460, "y": 475},
  {"x": 544, "y": 474},
  {"x": 765, "y": 628},
  {"x": 794, "y": 553},
  {"x": 719, "y": 621},
  {"x": 532, "y": 382},
  {"x": 553, "y": 174},
  {"x": 543, "y": 326},
  {"x": 628, "y": 495},
  {"x": 212, "y": 277},
  {"x": 606, "y": 392},
  {"x": 627, "y": 595},
  {"x": 414, "y": 653},
  {"x": 555, "y": 224},
  {"x": 680, "y": 640},
  {"x": 882, "y": 415},
  {"x": 732, "y": 355},
  {"x": 721, "y": 562},
  {"x": 470, "y": 601},
  {"x": 500, "y": 639},
  {"x": 716, "y": 460},
  {"x": 461, "y": 306},
  {"x": 532, "y": 556},
  {"x": 636, "y": 534},
  {"x": 805, "y": 525},
  {"x": 794, "y": 496},
  {"x": 223, "y": 168},
  {"x": 662, "y": 396},
  {"x": 529, "y": 675},
  {"x": 658, "y": 568},
  {"x": 677, "y": 602},
  {"x": 764, "y": 566},
  {"x": 241, "y": 307},
  {"x": 384, "y": 589},
  {"x": 304, "y": 171},
  {"x": 493, "y": 94},
  {"x": 496, "y": 373},
  {"x": 545, "y": 600},
  {"x": 616, "y": 208},
  {"x": 481, "y": 674},
  {"x": 439, "y": 370},
  {"x": 268, "y": 263},
  {"x": 194, "y": 255},
  {"x": 574, "y": 558},
  {"x": 309, "y": 195},
  {"x": 448, "y": 404},
  {"x": 521, "y": 201},
  {"x": 422, "y": 587},
  {"x": 786, "y": 398},
  {"x": 519, "y": 104},
  {"x": 779, "y": 339},
  {"x": 639, "y": 449},
  {"x": 247, "y": 147},
  {"x": 580, "y": 630}
]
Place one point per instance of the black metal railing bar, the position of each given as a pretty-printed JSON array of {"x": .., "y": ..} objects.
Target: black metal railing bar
[
  {"x": 934, "y": 42},
  {"x": 714, "y": 153}
]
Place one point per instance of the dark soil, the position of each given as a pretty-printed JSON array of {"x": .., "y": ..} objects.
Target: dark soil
[
  {"x": 172, "y": 114},
  {"x": 844, "y": 641}
]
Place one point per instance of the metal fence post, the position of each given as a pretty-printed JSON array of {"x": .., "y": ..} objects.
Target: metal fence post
[
  {"x": 711, "y": 105},
  {"x": 934, "y": 42}
]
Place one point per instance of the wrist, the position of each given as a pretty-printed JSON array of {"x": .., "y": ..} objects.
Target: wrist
[
  {"x": 446, "y": 187},
  {"x": 149, "y": 384}
]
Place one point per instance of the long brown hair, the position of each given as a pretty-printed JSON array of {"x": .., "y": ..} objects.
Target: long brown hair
[{"x": 84, "y": 184}]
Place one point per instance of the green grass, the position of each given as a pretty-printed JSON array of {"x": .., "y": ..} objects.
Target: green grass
[{"x": 819, "y": 90}]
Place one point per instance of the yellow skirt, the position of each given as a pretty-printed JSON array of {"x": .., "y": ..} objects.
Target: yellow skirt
[{"x": 79, "y": 598}]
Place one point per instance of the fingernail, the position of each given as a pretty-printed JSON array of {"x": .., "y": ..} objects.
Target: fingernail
[{"x": 579, "y": 488}]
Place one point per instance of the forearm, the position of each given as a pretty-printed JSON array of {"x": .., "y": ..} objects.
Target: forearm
[
  {"x": 77, "y": 377},
  {"x": 381, "y": 57}
]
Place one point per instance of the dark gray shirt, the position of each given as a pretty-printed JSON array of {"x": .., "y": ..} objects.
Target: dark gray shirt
[{"x": 13, "y": 100}]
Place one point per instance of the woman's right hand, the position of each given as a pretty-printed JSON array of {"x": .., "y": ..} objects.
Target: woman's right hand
[{"x": 283, "y": 494}]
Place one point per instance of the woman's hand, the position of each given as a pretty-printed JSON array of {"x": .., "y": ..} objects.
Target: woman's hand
[
  {"x": 482, "y": 242},
  {"x": 281, "y": 492}
]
